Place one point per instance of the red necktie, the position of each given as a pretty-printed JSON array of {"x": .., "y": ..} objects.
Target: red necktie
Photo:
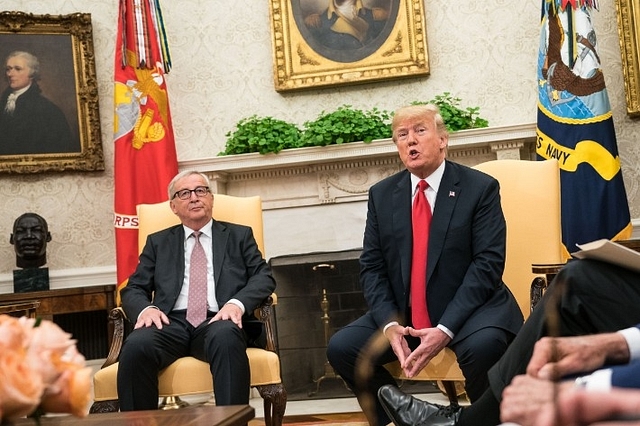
[
  {"x": 197, "y": 299},
  {"x": 420, "y": 221}
]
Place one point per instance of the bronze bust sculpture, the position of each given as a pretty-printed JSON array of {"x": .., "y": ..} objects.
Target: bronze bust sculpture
[{"x": 29, "y": 238}]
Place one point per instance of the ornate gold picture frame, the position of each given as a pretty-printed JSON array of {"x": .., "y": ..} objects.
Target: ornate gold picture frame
[
  {"x": 628, "y": 30},
  {"x": 54, "y": 123},
  {"x": 320, "y": 43}
]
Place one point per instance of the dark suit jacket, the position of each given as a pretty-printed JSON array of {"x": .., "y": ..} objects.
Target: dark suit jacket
[
  {"x": 239, "y": 270},
  {"x": 37, "y": 126},
  {"x": 465, "y": 256}
]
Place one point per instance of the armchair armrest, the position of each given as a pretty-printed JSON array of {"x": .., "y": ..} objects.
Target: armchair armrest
[
  {"x": 540, "y": 284},
  {"x": 117, "y": 317},
  {"x": 264, "y": 313}
]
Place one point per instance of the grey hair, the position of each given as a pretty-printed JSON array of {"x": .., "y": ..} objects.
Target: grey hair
[
  {"x": 32, "y": 62},
  {"x": 184, "y": 174}
]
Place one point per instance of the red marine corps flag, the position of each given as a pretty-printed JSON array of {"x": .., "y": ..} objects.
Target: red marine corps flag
[{"x": 145, "y": 153}]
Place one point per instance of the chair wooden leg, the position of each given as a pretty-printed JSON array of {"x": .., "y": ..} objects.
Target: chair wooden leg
[
  {"x": 275, "y": 403},
  {"x": 172, "y": 403},
  {"x": 450, "y": 390},
  {"x": 110, "y": 406}
]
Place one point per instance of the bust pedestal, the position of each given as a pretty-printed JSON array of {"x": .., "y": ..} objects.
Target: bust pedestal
[{"x": 30, "y": 279}]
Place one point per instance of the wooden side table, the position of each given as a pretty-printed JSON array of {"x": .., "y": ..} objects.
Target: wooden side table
[
  {"x": 81, "y": 311},
  {"x": 26, "y": 309}
]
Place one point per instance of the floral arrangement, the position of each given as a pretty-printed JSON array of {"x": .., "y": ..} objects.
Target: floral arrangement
[{"x": 41, "y": 370}]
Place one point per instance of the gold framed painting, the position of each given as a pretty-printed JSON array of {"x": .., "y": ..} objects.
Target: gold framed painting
[
  {"x": 628, "y": 31},
  {"x": 49, "y": 115},
  {"x": 318, "y": 43}
]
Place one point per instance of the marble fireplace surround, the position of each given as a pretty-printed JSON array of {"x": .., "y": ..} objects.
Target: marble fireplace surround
[{"x": 314, "y": 199}]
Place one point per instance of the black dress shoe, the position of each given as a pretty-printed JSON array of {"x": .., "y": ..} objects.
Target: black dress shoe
[{"x": 406, "y": 410}]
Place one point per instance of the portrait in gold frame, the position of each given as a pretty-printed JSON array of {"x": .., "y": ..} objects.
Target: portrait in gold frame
[
  {"x": 302, "y": 60},
  {"x": 63, "y": 46},
  {"x": 628, "y": 31}
]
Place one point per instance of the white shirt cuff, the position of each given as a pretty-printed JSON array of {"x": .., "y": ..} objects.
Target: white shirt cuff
[
  {"x": 599, "y": 380},
  {"x": 148, "y": 307},
  {"x": 238, "y": 304},
  {"x": 446, "y": 331},
  {"x": 384, "y": 330},
  {"x": 632, "y": 336}
]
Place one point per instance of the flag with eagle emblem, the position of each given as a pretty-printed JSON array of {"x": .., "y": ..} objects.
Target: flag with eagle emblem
[
  {"x": 575, "y": 126},
  {"x": 145, "y": 154}
]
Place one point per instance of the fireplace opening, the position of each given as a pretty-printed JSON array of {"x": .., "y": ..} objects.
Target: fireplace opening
[{"x": 318, "y": 293}]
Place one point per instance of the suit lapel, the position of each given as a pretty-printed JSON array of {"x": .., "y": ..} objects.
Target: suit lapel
[
  {"x": 446, "y": 199},
  {"x": 220, "y": 235},
  {"x": 401, "y": 204},
  {"x": 176, "y": 252}
]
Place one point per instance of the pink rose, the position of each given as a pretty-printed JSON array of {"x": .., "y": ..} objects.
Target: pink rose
[
  {"x": 40, "y": 366},
  {"x": 20, "y": 386},
  {"x": 71, "y": 393},
  {"x": 51, "y": 350}
]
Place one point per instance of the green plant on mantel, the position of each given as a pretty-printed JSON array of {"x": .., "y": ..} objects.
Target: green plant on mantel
[
  {"x": 347, "y": 124},
  {"x": 261, "y": 134},
  {"x": 454, "y": 117},
  {"x": 344, "y": 125}
]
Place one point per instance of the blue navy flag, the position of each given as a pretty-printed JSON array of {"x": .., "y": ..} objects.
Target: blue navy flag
[{"x": 575, "y": 126}]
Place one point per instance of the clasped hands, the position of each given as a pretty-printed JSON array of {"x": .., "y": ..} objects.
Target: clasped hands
[
  {"x": 154, "y": 316},
  {"x": 538, "y": 398},
  {"x": 432, "y": 341}
]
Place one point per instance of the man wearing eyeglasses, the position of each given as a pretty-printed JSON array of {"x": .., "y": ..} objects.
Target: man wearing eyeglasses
[{"x": 159, "y": 299}]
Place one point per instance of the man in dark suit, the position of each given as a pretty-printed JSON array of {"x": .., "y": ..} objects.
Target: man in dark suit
[
  {"x": 469, "y": 308},
  {"x": 587, "y": 297},
  {"x": 157, "y": 300}
]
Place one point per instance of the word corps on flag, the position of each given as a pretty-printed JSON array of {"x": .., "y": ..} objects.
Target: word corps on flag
[
  {"x": 145, "y": 155},
  {"x": 575, "y": 126}
]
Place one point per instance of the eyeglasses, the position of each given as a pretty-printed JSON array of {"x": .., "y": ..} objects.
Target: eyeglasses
[{"x": 185, "y": 194}]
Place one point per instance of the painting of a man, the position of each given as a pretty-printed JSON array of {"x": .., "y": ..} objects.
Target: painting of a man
[
  {"x": 347, "y": 24},
  {"x": 29, "y": 122},
  {"x": 346, "y": 30}
]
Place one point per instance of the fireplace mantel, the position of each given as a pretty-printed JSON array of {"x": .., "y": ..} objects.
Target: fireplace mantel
[
  {"x": 343, "y": 173},
  {"x": 314, "y": 199}
]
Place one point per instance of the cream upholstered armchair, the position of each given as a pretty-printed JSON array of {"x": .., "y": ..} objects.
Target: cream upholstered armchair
[
  {"x": 189, "y": 376},
  {"x": 530, "y": 197}
]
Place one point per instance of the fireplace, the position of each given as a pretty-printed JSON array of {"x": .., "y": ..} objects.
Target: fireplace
[
  {"x": 303, "y": 282},
  {"x": 318, "y": 293}
]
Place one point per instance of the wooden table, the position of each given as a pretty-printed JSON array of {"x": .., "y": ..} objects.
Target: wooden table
[
  {"x": 196, "y": 415},
  {"x": 81, "y": 311},
  {"x": 66, "y": 300}
]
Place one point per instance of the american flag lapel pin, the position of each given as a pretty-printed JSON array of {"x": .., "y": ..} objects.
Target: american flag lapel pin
[{"x": 452, "y": 194}]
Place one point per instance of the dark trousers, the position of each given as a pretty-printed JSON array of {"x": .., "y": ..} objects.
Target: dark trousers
[
  {"x": 146, "y": 351},
  {"x": 588, "y": 297},
  {"x": 358, "y": 353}
]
